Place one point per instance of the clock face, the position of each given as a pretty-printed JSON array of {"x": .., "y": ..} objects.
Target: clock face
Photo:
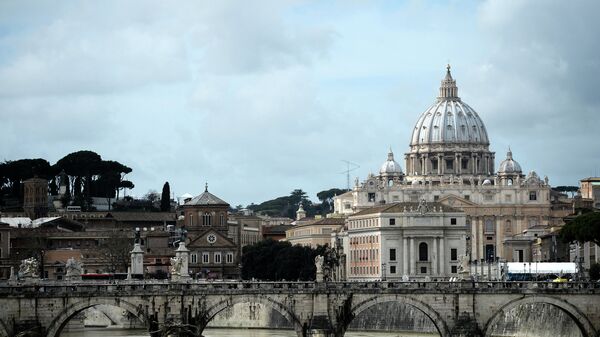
[{"x": 211, "y": 238}]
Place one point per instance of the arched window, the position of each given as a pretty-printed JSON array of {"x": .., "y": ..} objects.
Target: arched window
[
  {"x": 222, "y": 219},
  {"x": 509, "y": 182},
  {"x": 206, "y": 219},
  {"x": 423, "y": 251}
]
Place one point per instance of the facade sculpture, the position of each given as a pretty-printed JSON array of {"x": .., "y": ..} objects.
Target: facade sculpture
[
  {"x": 74, "y": 269},
  {"x": 29, "y": 268},
  {"x": 176, "y": 264}
]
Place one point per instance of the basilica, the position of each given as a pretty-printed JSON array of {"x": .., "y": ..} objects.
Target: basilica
[{"x": 449, "y": 163}]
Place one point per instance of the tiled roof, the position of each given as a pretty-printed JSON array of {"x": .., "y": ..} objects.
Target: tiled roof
[
  {"x": 142, "y": 216},
  {"x": 206, "y": 198}
]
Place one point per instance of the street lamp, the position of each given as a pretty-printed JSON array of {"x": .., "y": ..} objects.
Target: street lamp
[{"x": 383, "y": 270}]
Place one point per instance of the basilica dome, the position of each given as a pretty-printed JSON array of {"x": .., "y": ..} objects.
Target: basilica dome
[
  {"x": 509, "y": 165},
  {"x": 390, "y": 166},
  {"x": 449, "y": 120}
]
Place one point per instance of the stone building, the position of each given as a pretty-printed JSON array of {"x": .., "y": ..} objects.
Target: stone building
[
  {"x": 449, "y": 161},
  {"x": 590, "y": 189},
  {"x": 314, "y": 233},
  {"x": 405, "y": 239},
  {"x": 35, "y": 197}
]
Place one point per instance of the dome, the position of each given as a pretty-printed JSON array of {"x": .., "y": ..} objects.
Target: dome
[
  {"x": 509, "y": 165},
  {"x": 449, "y": 120},
  {"x": 390, "y": 166}
]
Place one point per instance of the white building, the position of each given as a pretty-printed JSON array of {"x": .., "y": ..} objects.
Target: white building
[{"x": 405, "y": 239}]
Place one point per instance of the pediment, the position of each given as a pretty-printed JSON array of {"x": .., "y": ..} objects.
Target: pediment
[
  {"x": 211, "y": 238},
  {"x": 456, "y": 201}
]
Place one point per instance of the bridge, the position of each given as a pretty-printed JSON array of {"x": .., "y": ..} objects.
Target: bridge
[{"x": 43, "y": 308}]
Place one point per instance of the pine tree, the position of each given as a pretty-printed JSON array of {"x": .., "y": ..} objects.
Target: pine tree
[{"x": 165, "y": 200}]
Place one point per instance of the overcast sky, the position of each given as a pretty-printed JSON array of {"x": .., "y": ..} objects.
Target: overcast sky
[{"x": 260, "y": 98}]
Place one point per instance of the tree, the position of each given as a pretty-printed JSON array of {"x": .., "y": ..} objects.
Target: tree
[
  {"x": 570, "y": 189},
  {"x": 595, "y": 271},
  {"x": 165, "y": 199},
  {"x": 326, "y": 197},
  {"x": 584, "y": 228},
  {"x": 114, "y": 251},
  {"x": 271, "y": 260}
]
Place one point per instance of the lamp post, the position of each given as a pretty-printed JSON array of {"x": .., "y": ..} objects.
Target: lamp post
[{"x": 383, "y": 270}]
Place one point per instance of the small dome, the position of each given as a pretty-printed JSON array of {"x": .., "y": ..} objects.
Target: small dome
[
  {"x": 390, "y": 166},
  {"x": 487, "y": 182},
  {"x": 509, "y": 165}
]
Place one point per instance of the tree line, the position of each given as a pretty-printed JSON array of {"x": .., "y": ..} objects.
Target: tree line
[
  {"x": 287, "y": 206},
  {"x": 84, "y": 174}
]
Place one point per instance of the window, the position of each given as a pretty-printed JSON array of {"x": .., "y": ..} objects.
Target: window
[
  {"x": 218, "y": 257},
  {"x": 434, "y": 164},
  {"x": 532, "y": 195},
  {"x": 489, "y": 226},
  {"x": 222, "y": 219},
  {"x": 453, "y": 254},
  {"x": 467, "y": 197},
  {"x": 347, "y": 205},
  {"x": 453, "y": 221},
  {"x": 453, "y": 269},
  {"x": 229, "y": 257},
  {"x": 392, "y": 254},
  {"x": 371, "y": 197},
  {"x": 465, "y": 164},
  {"x": 392, "y": 222},
  {"x": 392, "y": 269},
  {"x": 206, "y": 219},
  {"x": 204, "y": 257},
  {"x": 436, "y": 197},
  {"x": 194, "y": 258},
  {"x": 449, "y": 164},
  {"x": 423, "y": 251},
  {"x": 423, "y": 270}
]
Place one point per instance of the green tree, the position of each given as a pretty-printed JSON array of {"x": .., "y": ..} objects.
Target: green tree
[
  {"x": 271, "y": 260},
  {"x": 584, "y": 228},
  {"x": 570, "y": 189},
  {"x": 165, "y": 199},
  {"x": 326, "y": 197}
]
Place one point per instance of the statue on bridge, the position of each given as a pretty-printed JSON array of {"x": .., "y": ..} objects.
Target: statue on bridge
[
  {"x": 74, "y": 269},
  {"x": 29, "y": 268},
  {"x": 176, "y": 264}
]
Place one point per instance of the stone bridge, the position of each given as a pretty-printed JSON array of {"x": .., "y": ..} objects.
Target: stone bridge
[{"x": 43, "y": 308}]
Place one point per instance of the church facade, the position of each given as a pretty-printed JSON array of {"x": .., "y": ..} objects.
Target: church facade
[{"x": 450, "y": 162}]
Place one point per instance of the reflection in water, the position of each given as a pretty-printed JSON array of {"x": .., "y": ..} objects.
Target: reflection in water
[{"x": 209, "y": 332}]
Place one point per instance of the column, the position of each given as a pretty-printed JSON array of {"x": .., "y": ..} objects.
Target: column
[
  {"x": 473, "y": 164},
  {"x": 459, "y": 163},
  {"x": 439, "y": 158},
  {"x": 404, "y": 256},
  {"x": 434, "y": 257},
  {"x": 480, "y": 240},
  {"x": 474, "y": 240},
  {"x": 499, "y": 233},
  {"x": 412, "y": 256},
  {"x": 442, "y": 257}
]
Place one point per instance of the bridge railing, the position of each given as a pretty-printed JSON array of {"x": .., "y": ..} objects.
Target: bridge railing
[{"x": 97, "y": 288}]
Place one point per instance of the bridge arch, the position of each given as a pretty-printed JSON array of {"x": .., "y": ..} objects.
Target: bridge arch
[
  {"x": 265, "y": 300},
  {"x": 578, "y": 317},
  {"x": 67, "y": 313},
  {"x": 433, "y": 315}
]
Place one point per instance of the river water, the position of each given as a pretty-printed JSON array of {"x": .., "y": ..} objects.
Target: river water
[{"x": 211, "y": 332}]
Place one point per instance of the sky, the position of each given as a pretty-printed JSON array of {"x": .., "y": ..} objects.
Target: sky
[{"x": 260, "y": 98}]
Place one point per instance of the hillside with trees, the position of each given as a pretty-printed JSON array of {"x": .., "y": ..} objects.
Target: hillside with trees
[{"x": 288, "y": 205}]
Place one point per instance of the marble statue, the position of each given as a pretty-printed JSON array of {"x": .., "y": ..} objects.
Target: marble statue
[
  {"x": 74, "y": 268},
  {"x": 29, "y": 268},
  {"x": 176, "y": 264},
  {"x": 319, "y": 263}
]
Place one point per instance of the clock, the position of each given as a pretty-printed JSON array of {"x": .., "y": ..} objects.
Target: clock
[{"x": 211, "y": 238}]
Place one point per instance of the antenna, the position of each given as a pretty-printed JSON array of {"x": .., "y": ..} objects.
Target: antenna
[{"x": 350, "y": 166}]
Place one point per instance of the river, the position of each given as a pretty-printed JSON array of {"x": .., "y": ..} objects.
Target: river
[{"x": 211, "y": 332}]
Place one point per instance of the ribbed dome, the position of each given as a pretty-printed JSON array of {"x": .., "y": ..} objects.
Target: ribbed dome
[
  {"x": 390, "y": 166},
  {"x": 449, "y": 120},
  {"x": 509, "y": 165}
]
